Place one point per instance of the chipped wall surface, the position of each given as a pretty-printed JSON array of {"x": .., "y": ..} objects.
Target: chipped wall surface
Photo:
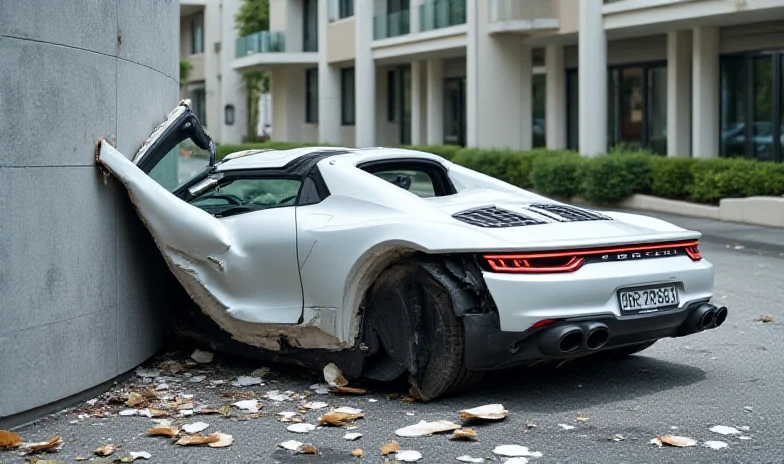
[{"x": 83, "y": 290}]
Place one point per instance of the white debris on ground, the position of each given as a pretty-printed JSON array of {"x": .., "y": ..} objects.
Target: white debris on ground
[
  {"x": 291, "y": 445},
  {"x": 717, "y": 445},
  {"x": 196, "y": 427},
  {"x": 352, "y": 436},
  {"x": 301, "y": 428},
  {"x": 424, "y": 428},
  {"x": 248, "y": 405},
  {"x": 334, "y": 376},
  {"x": 514, "y": 451},
  {"x": 674, "y": 440},
  {"x": 408, "y": 456},
  {"x": 467, "y": 458},
  {"x": 246, "y": 381},
  {"x": 202, "y": 357},
  {"x": 725, "y": 430},
  {"x": 566, "y": 426},
  {"x": 488, "y": 412}
]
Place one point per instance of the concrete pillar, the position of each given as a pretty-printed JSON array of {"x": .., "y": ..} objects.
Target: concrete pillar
[
  {"x": 435, "y": 102},
  {"x": 705, "y": 92},
  {"x": 414, "y": 21},
  {"x": 329, "y": 86},
  {"x": 555, "y": 98},
  {"x": 212, "y": 72},
  {"x": 288, "y": 110},
  {"x": 679, "y": 93},
  {"x": 233, "y": 90},
  {"x": 592, "y": 80},
  {"x": 417, "y": 109},
  {"x": 85, "y": 295},
  {"x": 498, "y": 86},
  {"x": 295, "y": 25},
  {"x": 365, "y": 75}
]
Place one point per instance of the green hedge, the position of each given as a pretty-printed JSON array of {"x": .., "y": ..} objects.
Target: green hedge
[{"x": 605, "y": 179}]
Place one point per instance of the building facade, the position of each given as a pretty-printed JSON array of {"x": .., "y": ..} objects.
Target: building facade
[
  {"x": 698, "y": 78},
  {"x": 207, "y": 39}
]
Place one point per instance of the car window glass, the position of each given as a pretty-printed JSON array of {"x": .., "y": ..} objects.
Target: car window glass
[
  {"x": 245, "y": 195},
  {"x": 181, "y": 164},
  {"x": 417, "y": 182}
]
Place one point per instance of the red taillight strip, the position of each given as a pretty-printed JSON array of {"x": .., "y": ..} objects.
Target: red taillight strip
[{"x": 496, "y": 261}]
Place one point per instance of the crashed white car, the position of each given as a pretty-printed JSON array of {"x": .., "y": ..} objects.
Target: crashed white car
[{"x": 392, "y": 262}]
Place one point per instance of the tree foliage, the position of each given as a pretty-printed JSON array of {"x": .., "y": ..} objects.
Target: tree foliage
[{"x": 253, "y": 16}]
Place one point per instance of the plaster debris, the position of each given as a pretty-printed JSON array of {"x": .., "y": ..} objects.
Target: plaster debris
[
  {"x": 186, "y": 412},
  {"x": 617, "y": 437},
  {"x": 467, "y": 458},
  {"x": 162, "y": 386},
  {"x": 351, "y": 436},
  {"x": 129, "y": 412},
  {"x": 334, "y": 376},
  {"x": 248, "y": 405},
  {"x": 291, "y": 445},
  {"x": 92, "y": 402},
  {"x": 717, "y": 445},
  {"x": 301, "y": 428},
  {"x": 424, "y": 429},
  {"x": 54, "y": 444},
  {"x": 139, "y": 455},
  {"x": 315, "y": 405},
  {"x": 105, "y": 450},
  {"x": 202, "y": 357},
  {"x": 464, "y": 434},
  {"x": 357, "y": 453},
  {"x": 348, "y": 410},
  {"x": 223, "y": 441},
  {"x": 725, "y": 430},
  {"x": 245, "y": 381},
  {"x": 198, "y": 378},
  {"x": 196, "y": 427},
  {"x": 9, "y": 440},
  {"x": 389, "y": 447},
  {"x": 261, "y": 372},
  {"x": 487, "y": 412},
  {"x": 195, "y": 440},
  {"x": 347, "y": 390},
  {"x": 170, "y": 432},
  {"x": 408, "y": 456},
  {"x": 307, "y": 449},
  {"x": 674, "y": 440},
  {"x": 516, "y": 461},
  {"x": 275, "y": 395},
  {"x": 372, "y": 400},
  {"x": 514, "y": 451},
  {"x": 337, "y": 419},
  {"x": 566, "y": 426}
]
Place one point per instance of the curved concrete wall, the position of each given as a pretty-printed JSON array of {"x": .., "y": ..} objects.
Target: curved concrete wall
[{"x": 82, "y": 288}]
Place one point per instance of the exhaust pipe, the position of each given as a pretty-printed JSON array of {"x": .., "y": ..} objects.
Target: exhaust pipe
[
  {"x": 720, "y": 316},
  {"x": 598, "y": 335},
  {"x": 561, "y": 340},
  {"x": 701, "y": 319}
]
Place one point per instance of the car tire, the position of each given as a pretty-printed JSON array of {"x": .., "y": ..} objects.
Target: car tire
[{"x": 413, "y": 315}]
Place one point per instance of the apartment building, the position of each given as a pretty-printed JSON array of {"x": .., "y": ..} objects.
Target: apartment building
[
  {"x": 207, "y": 40},
  {"x": 696, "y": 78}
]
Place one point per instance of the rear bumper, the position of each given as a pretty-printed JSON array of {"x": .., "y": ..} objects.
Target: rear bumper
[{"x": 488, "y": 347}]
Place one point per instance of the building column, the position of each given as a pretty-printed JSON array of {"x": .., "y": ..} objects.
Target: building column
[
  {"x": 232, "y": 87},
  {"x": 364, "y": 76},
  {"x": 472, "y": 75},
  {"x": 679, "y": 93},
  {"x": 555, "y": 98},
  {"x": 705, "y": 92},
  {"x": 526, "y": 97},
  {"x": 435, "y": 102},
  {"x": 329, "y": 86},
  {"x": 592, "y": 80},
  {"x": 417, "y": 69}
]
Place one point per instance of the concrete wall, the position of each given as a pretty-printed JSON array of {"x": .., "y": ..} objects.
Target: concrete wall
[{"x": 82, "y": 286}]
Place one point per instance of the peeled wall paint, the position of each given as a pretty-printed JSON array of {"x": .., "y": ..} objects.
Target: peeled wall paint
[{"x": 85, "y": 295}]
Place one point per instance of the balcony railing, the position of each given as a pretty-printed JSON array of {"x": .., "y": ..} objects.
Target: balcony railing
[
  {"x": 391, "y": 25},
  {"x": 522, "y": 10},
  {"x": 261, "y": 42},
  {"x": 435, "y": 14},
  {"x": 339, "y": 9}
]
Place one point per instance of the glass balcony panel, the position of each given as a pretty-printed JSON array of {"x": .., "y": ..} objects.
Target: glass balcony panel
[{"x": 435, "y": 14}]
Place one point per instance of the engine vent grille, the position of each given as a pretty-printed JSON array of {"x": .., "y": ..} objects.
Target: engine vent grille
[
  {"x": 495, "y": 217},
  {"x": 564, "y": 213}
]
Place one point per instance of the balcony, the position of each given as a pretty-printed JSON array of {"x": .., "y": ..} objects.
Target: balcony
[
  {"x": 522, "y": 15},
  {"x": 436, "y": 14},
  {"x": 340, "y": 9},
  {"x": 391, "y": 25},
  {"x": 263, "y": 49},
  {"x": 261, "y": 42}
]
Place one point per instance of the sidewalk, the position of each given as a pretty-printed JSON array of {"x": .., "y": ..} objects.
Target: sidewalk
[{"x": 729, "y": 233}]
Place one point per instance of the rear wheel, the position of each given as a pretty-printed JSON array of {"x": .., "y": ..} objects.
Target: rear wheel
[{"x": 412, "y": 315}]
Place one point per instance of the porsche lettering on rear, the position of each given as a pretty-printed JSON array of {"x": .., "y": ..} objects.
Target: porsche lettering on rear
[{"x": 392, "y": 262}]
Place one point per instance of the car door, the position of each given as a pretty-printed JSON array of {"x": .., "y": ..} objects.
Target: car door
[{"x": 230, "y": 238}]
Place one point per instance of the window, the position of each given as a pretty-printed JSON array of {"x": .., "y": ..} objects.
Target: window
[
  {"x": 539, "y": 95},
  {"x": 424, "y": 179},
  {"x": 197, "y": 34},
  {"x": 751, "y": 106},
  {"x": 405, "y": 105},
  {"x": 347, "y": 106},
  {"x": 417, "y": 182},
  {"x": 345, "y": 8},
  {"x": 572, "y": 110},
  {"x": 392, "y": 96},
  {"x": 199, "y": 104},
  {"x": 243, "y": 195},
  {"x": 311, "y": 97},
  {"x": 181, "y": 164},
  {"x": 310, "y": 26},
  {"x": 637, "y": 107},
  {"x": 455, "y": 111}
]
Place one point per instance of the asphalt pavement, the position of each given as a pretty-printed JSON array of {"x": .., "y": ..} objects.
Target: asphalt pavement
[{"x": 732, "y": 376}]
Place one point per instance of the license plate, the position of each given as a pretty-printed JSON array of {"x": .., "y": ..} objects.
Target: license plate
[{"x": 648, "y": 299}]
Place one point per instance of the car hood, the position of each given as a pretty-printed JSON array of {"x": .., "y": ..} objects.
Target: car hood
[{"x": 552, "y": 230}]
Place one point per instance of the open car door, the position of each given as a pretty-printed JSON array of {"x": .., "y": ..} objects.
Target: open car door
[{"x": 239, "y": 269}]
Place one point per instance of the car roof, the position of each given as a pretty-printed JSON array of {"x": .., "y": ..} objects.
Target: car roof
[{"x": 272, "y": 159}]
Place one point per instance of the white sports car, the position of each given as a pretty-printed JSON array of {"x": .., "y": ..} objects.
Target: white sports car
[{"x": 393, "y": 262}]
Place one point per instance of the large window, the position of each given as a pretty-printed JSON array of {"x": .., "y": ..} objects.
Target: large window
[
  {"x": 637, "y": 107},
  {"x": 455, "y": 111},
  {"x": 539, "y": 95},
  {"x": 572, "y": 110},
  {"x": 197, "y": 34},
  {"x": 310, "y": 26},
  {"x": 751, "y": 106},
  {"x": 347, "y": 102},
  {"x": 237, "y": 196},
  {"x": 311, "y": 97}
]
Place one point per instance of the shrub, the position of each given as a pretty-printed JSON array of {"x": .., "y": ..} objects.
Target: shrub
[
  {"x": 557, "y": 175},
  {"x": 510, "y": 166},
  {"x": 611, "y": 178},
  {"x": 672, "y": 177},
  {"x": 718, "y": 178}
]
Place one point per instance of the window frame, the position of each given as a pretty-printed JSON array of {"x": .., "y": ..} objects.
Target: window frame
[
  {"x": 439, "y": 176},
  {"x": 197, "y": 48},
  {"x": 310, "y": 117},
  {"x": 777, "y": 118},
  {"x": 233, "y": 176},
  {"x": 345, "y": 120}
]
